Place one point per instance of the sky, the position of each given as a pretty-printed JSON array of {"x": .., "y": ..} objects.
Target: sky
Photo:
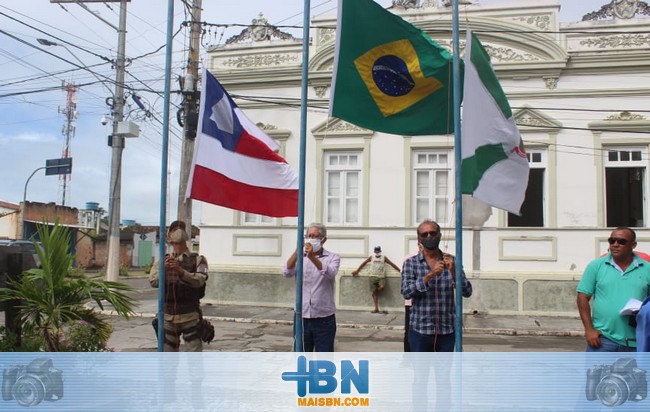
[{"x": 32, "y": 99}]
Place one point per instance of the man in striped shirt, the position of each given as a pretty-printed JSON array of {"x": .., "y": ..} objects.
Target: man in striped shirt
[{"x": 428, "y": 279}]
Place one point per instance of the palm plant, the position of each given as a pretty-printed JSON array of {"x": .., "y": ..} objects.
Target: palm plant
[{"x": 51, "y": 300}]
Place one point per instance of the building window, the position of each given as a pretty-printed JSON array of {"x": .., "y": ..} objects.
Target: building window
[
  {"x": 532, "y": 210},
  {"x": 432, "y": 191},
  {"x": 255, "y": 219},
  {"x": 625, "y": 186},
  {"x": 342, "y": 188}
]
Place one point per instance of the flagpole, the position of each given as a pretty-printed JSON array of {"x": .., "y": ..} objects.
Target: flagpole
[
  {"x": 297, "y": 321},
  {"x": 458, "y": 327},
  {"x": 163, "y": 178}
]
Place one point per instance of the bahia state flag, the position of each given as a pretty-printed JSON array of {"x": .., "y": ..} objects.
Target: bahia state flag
[
  {"x": 235, "y": 164},
  {"x": 494, "y": 163},
  {"x": 389, "y": 76}
]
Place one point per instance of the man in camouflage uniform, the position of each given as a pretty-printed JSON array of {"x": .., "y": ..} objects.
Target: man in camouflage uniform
[{"x": 185, "y": 278}]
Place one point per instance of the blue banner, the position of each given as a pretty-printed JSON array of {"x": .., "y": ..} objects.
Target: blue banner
[{"x": 221, "y": 381}]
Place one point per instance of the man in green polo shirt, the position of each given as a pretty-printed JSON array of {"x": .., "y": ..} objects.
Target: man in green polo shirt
[{"x": 612, "y": 280}]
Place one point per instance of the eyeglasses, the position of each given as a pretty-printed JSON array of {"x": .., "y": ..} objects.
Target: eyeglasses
[
  {"x": 432, "y": 233},
  {"x": 313, "y": 237},
  {"x": 618, "y": 240}
]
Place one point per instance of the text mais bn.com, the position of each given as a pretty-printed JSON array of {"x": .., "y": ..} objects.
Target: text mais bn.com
[{"x": 345, "y": 401}]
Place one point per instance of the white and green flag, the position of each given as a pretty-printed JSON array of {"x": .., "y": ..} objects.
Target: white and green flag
[{"x": 494, "y": 166}]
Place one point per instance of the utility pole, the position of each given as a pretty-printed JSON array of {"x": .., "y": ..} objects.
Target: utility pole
[
  {"x": 116, "y": 140},
  {"x": 117, "y": 145},
  {"x": 190, "y": 115}
]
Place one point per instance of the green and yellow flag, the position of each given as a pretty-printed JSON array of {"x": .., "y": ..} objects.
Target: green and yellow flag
[{"x": 388, "y": 75}]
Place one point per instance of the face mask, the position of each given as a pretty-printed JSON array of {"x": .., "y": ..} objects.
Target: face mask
[
  {"x": 177, "y": 236},
  {"x": 315, "y": 243},
  {"x": 430, "y": 243}
]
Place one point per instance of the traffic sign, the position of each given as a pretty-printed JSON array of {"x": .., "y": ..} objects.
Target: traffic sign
[{"x": 61, "y": 166}]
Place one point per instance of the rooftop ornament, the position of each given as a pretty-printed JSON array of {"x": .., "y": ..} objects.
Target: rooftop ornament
[
  {"x": 619, "y": 9},
  {"x": 260, "y": 30}
]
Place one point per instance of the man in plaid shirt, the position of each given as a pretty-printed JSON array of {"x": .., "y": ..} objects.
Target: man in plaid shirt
[{"x": 428, "y": 279}]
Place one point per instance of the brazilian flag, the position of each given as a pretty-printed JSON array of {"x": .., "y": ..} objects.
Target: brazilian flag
[{"x": 389, "y": 76}]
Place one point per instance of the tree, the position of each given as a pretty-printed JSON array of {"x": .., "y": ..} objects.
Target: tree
[{"x": 51, "y": 299}]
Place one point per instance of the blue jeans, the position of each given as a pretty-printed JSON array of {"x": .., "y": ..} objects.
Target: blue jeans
[
  {"x": 608, "y": 345},
  {"x": 318, "y": 334},
  {"x": 431, "y": 343}
]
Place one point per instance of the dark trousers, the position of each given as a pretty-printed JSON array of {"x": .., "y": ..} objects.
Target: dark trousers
[
  {"x": 431, "y": 343},
  {"x": 407, "y": 322},
  {"x": 318, "y": 334}
]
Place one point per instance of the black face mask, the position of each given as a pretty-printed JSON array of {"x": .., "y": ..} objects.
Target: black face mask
[{"x": 430, "y": 243}]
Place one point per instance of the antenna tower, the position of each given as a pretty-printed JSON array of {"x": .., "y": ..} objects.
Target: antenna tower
[{"x": 68, "y": 130}]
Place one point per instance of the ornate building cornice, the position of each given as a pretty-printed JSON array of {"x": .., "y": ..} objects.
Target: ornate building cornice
[
  {"x": 624, "y": 121},
  {"x": 261, "y": 60},
  {"x": 535, "y": 119},
  {"x": 541, "y": 22},
  {"x": 625, "y": 116},
  {"x": 507, "y": 54},
  {"x": 619, "y": 9},
  {"x": 336, "y": 127},
  {"x": 618, "y": 41},
  {"x": 260, "y": 30},
  {"x": 326, "y": 35},
  {"x": 406, "y": 4}
]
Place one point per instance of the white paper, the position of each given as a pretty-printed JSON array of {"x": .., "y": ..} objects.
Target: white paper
[{"x": 632, "y": 306}]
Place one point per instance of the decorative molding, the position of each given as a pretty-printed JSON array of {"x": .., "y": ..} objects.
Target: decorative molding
[
  {"x": 320, "y": 91},
  {"x": 279, "y": 135},
  {"x": 256, "y": 245},
  {"x": 266, "y": 127},
  {"x": 528, "y": 120},
  {"x": 618, "y": 41},
  {"x": 623, "y": 121},
  {"x": 500, "y": 54},
  {"x": 530, "y": 117},
  {"x": 338, "y": 127},
  {"x": 260, "y": 30},
  {"x": 261, "y": 60},
  {"x": 551, "y": 82},
  {"x": 540, "y": 248},
  {"x": 344, "y": 127},
  {"x": 406, "y": 4},
  {"x": 541, "y": 22},
  {"x": 619, "y": 9},
  {"x": 591, "y": 93},
  {"x": 506, "y": 54},
  {"x": 625, "y": 116},
  {"x": 326, "y": 35}
]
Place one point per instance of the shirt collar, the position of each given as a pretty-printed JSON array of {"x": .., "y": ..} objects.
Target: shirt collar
[
  {"x": 421, "y": 257},
  {"x": 184, "y": 253},
  {"x": 636, "y": 262}
]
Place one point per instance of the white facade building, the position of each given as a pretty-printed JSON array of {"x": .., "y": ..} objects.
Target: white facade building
[{"x": 580, "y": 93}]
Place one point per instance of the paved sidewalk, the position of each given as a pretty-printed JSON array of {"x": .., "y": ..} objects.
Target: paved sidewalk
[
  {"x": 260, "y": 328},
  {"x": 481, "y": 323}
]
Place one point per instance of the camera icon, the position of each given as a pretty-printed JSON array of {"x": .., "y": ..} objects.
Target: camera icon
[
  {"x": 30, "y": 385},
  {"x": 614, "y": 385}
]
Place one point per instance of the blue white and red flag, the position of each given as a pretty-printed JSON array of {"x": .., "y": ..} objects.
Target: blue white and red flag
[{"x": 235, "y": 163}]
